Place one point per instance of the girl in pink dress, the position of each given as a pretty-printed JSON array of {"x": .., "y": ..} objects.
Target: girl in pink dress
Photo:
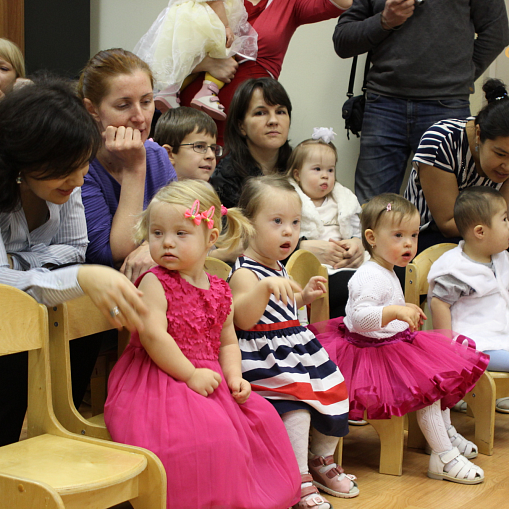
[
  {"x": 178, "y": 390},
  {"x": 390, "y": 367}
]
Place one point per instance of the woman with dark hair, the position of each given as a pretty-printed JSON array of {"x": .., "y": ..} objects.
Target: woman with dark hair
[
  {"x": 454, "y": 155},
  {"x": 256, "y": 137},
  {"x": 116, "y": 87},
  {"x": 46, "y": 141}
]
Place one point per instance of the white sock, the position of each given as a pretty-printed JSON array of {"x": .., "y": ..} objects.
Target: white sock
[
  {"x": 297, "y": 424},
  {"x": 433, "y": 427},
  {"x": 446, "y": 416}
]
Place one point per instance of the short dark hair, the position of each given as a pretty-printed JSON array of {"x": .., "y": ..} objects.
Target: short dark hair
[
  {"x": 45, "y": 132},
  {"x": 236, "y": 145},
  {"x": 493, "y": 119},
  {"x": 177, "y": 123},
  {"x": 475, "y": 205}
]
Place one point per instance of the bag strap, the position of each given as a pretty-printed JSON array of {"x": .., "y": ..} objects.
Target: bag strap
[
  {"x": 352, "y": 74},
  {"x": 352, "y": 77}
]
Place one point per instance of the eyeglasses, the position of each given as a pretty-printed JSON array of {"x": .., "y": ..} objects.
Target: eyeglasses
[{"x": 202, "y": 148}]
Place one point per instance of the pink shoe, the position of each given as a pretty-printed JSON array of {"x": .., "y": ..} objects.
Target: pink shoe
[
  {"x": 206, "y": 100},
  {"x": 165, "y": 101},
  {"x": 309, "y": 497},
  {"x": 334, "y": 481}
]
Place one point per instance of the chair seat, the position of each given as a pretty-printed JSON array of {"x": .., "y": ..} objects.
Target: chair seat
[
  {"x": 97, "y": 419},
  {"x": 70, "y": 466}
]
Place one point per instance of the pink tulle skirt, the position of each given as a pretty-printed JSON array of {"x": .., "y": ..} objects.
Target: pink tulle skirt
[{"x": 403, "y": 373}]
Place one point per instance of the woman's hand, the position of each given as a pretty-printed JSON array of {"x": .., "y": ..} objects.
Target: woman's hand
[
  {"x": 125, "y": 147},
  {"x": 353, "y": 254},
  {"x": 240, "y": 389},
  {"x": 110, "y": 290},
  {"x": 223, "y": 69},
  {"x": 314, "y": 289},
  {"x": 204, "y": 381},
  {"x": 229, "y": 37},
  {"x": 327, "y": 252},
  {"x": 137, "y": 262}
]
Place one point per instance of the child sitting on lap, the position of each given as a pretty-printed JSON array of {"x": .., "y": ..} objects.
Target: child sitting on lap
[
  {"x": 189, "y": 137},
  {"x": 469, "y": 285}
]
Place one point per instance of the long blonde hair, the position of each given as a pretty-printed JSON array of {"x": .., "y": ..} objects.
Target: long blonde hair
[{"x": 184, "y": 192}]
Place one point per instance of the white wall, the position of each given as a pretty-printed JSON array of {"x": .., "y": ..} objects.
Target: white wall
[{"x": 315, "y": 78}]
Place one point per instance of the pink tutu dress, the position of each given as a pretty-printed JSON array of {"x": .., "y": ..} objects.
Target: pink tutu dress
[
  {"x": 390, "y": 370},
  {"x": 217, "y": 453}
]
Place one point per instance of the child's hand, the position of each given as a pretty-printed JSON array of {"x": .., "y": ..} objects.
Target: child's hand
[
  {"x": 314, "y": 289},
  {"x": 204, "y": 381},
  {"x": 411, "y": 314},
  {"x": 240, "y": 389},
  {"x": 283, "y": 289},
  {"x": 229, "y": 37}
]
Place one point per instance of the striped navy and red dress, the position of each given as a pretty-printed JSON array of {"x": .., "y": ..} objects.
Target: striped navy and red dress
[{"x": 285, "y": 363}]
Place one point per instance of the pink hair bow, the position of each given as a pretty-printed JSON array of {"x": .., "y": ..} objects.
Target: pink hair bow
[
  {"x": 207, "y": 217},
  {"x": 389, "y": 207},
  {"x": 224, "y": 210},
  {"x": 194, "y": 213}
]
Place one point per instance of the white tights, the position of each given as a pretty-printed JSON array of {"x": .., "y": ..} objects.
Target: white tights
[
  {"x": 434, "y": 424},
  {"x": 298, "y": 424}
]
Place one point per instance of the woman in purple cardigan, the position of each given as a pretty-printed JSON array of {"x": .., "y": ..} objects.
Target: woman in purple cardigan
[{"x": 116, "y": 88}]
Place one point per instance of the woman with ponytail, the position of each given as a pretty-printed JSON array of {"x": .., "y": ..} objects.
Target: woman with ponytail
[{"x": 456, "y": 154}]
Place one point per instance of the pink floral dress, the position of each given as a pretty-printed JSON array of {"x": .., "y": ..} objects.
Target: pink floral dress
[{"x": 216, "y": 452}]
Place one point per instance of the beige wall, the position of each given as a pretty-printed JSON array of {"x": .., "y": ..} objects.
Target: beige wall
[{"x": 315, "y": 78}]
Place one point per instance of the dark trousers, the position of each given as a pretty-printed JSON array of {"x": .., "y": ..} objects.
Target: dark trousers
[
  {"x": 14, "y": 383},
  {"x": 338, "y": 292}
]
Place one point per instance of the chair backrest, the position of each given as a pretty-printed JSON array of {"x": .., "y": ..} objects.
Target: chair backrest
[
  {"x": 24, "y": 327},
  {"x": 217, "y": 267},
  {"x": 302, "y": 266},
  {"x": 416, "y": 277},
  {"x": 70, "y": 320}
]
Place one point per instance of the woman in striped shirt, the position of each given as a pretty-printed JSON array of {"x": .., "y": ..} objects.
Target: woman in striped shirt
[
  {"x": 454, "y": 155},
  {"x": 46, "y": 141}
]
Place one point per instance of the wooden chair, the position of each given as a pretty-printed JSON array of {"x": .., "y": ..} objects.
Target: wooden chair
[
  {"x": 53, "y": 465},
  {"x": 217, "y": 267},
  {"x": 71, "y": 320},
  {"x": 302, "y": 266},
  {"x": 492, "y": 385}
]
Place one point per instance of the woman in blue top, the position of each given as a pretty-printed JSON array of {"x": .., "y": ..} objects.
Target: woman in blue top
[{"x": 116, "y": 88}]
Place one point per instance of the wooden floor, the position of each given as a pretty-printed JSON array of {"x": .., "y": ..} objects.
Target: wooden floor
[{"x": 414, "y": 490}]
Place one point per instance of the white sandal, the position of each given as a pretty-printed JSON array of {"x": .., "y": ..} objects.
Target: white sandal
[
  {"x": 462, "y": 472},
  {"x": 466, "y": 447},
  {"x": 502, "y": 405}
]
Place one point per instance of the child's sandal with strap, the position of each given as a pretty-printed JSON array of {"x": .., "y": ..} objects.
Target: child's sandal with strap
[
  {"x": 310, "y": 498},
  {"x": 333, "y": 481},
  {"x": 462, "y": 472},
  {"x": 466, "y": 447}
]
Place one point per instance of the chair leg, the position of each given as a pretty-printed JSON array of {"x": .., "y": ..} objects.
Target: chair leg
[
  {"x": 392, "y": 434},
  {"x": 415, "y": 438},
  {"x": 338, "y": 453},
  {"x": 152, "y": 486},
  {"x": 482, "y": 401}
]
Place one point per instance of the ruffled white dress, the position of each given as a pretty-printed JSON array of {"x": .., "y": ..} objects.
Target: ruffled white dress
[{"x": 186, "y": 32}]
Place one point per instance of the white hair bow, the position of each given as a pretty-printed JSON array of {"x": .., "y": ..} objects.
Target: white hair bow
[{"x": 325, "y": 133}]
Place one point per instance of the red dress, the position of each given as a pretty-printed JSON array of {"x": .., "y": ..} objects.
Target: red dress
[{"x": 216, "y": 452}]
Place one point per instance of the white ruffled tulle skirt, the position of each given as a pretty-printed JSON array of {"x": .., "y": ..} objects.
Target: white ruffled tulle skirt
[{"x": 186, "y": 32}]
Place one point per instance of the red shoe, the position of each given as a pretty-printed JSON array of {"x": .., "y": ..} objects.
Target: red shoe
[
  {"x": 206, "y": 100},
  {"x": 334, "y": 481}
]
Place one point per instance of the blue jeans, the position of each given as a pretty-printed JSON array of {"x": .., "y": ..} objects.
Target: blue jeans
[
  {"x": 391, "y": 130},
  {"x": 499, "y": 360}
]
